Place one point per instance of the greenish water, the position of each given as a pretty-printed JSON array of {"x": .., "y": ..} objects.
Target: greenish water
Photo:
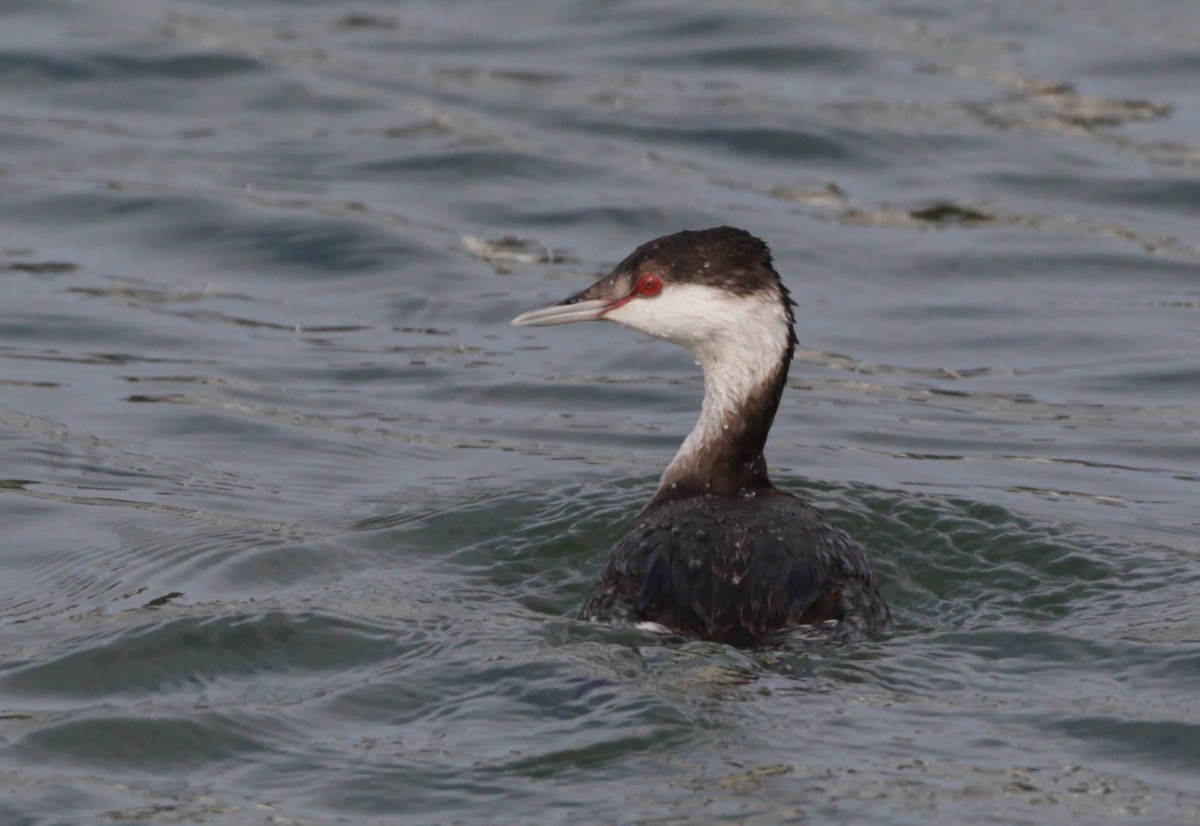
[{"x": 295, "y": 523}]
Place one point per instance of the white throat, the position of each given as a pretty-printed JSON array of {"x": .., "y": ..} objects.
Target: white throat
[{"x": 739, "y": 341}]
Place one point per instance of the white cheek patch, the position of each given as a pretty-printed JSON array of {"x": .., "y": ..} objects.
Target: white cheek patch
[
  {"x": 740, "y": 333},
  {"x": 682, "y": 313}
]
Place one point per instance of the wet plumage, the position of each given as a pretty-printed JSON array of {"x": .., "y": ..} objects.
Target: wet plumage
[{"x": 738, "y": 570}]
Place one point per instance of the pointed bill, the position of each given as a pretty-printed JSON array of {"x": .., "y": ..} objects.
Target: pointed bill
[
  {"x": 566, "y": 312},
  {"x": 609, "y": 293}
]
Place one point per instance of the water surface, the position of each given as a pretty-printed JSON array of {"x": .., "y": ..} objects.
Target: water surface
[{"x": 295, "y": 523}]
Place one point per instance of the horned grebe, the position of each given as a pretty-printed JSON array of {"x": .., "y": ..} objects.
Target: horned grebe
[{"x": 720, "y": 553}]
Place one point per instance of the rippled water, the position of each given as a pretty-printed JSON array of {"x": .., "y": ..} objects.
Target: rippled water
[{"x": 294, "y": 522}]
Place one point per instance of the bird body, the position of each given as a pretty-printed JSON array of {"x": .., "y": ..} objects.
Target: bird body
[{"x": 737, "y": 571}]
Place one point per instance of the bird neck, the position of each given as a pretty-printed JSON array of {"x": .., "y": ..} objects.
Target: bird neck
[{"x": 745, "y": 372}]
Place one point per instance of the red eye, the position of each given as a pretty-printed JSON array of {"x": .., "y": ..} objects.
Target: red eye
[{"x": 649, "y": 283}]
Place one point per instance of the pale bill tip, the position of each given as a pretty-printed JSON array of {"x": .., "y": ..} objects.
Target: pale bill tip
[{"x": 562, "y": 314}]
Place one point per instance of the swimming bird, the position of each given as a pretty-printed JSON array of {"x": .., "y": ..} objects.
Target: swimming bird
[{"x": 720, "y": 553}]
